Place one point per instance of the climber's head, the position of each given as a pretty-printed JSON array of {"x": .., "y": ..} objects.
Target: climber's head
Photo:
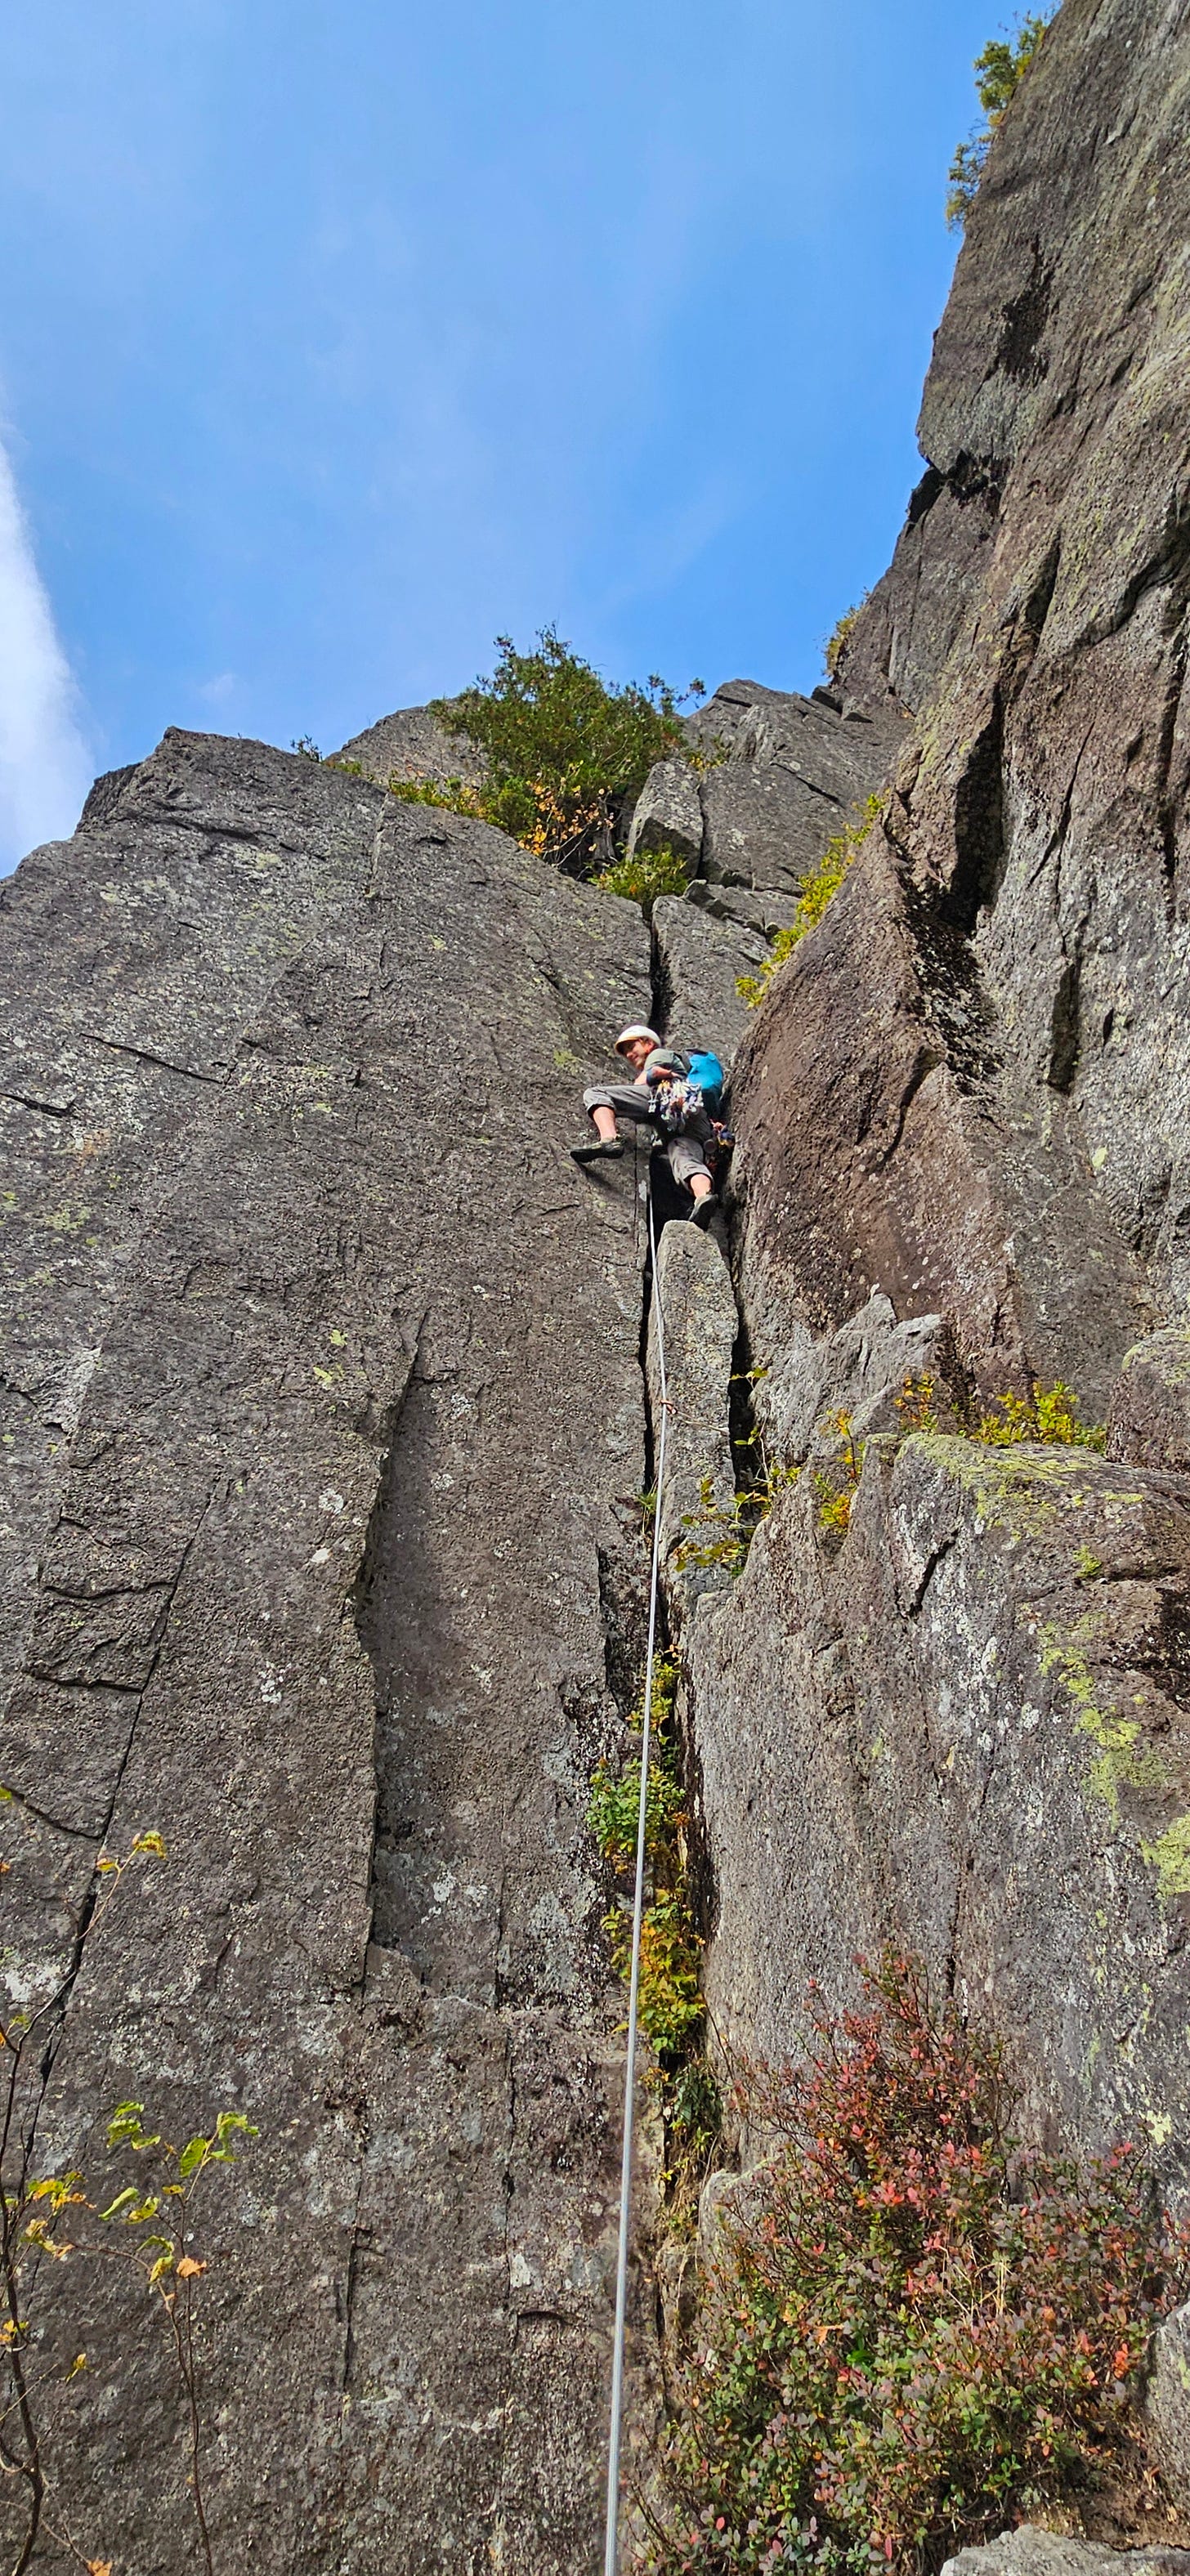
[{"x": 636, "y": 1044}]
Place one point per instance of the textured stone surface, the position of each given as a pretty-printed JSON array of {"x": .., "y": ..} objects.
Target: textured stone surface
[
  {"x": 760, "y": 908},
  {"x": 962, "y": 1121},
  {"x": 693, "y": 1291},
  {"x": 885, "y": 1141},
  {"x": 667, "y": 813},
  {"x": 795, "y": 772},
  {"x": 1029, "y": 971},
  {"x": 699, "y": 963},
  {"x": 965, "y": 1727},
  {"x": 1032, "y": 2552},
  {"x": 412, "y": 744},
  {"x": 861, "y": 1369},
  {"x": 1167, "y": 2400},
  {"x": 1149, "y": 1420},
  {"x": 323, "y": 1410}
]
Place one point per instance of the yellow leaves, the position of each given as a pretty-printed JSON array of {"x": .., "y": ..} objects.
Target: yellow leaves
[
  {"x": 37, "y": 2233},
  {"x": 188, "y": 2269},
  {"x": 1049, "y": 1416},
  {"x": 148, "y": 1846},
  {"x": 823, "y": 882},
  {"x": 98, "y": 2566}
]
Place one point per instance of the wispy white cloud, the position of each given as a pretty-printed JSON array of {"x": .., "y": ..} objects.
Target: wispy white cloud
[{"x": 45, "y": 767}]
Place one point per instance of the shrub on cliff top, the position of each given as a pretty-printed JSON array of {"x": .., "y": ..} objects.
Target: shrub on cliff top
[
  {"x": 562, "y": 748},
  {"x": 916, "y": 2332},
  {"x": 999, "y": 70},
  {"x": 835, "y": 648}
]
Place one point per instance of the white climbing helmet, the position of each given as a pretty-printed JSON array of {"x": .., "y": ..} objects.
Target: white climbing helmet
[{"x": 636, "y": 1029}]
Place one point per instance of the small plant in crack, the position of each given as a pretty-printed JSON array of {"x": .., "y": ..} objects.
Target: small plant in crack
[
  {"x": 1049, "y": 1416},
  {"x": 836, "y": 1485},
  {"x": 670, "y": 2001},
  {"x": 720, "y": 1534},
  {"x": 646, "y": 876},
  {"x": 818, "y": 887},
  {"x": 614, "y": 1809},
  {"x": 916, "y": 1407},
  {"x": 50, "y": 2224}
]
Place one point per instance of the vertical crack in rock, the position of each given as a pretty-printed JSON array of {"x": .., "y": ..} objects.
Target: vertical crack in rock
[
  {"x": 978, "y": 828},
  {"x": 387, "y": 1830}
]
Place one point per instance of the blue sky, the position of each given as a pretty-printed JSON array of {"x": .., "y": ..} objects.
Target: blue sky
[{"x": 336, "y": 339}]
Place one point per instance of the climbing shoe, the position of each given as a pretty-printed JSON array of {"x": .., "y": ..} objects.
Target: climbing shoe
[
  {"x": 704, "y": 1210},
  {"x": 602, "y": 1150}
]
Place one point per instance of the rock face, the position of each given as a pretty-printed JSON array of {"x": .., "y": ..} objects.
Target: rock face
[
  {"x": 1150, "y": 1411},
  {"x": 1004, "y": 1080},
  {"x": 966, "y": 1725},
  {"x": 324, "y": 1412},
  {"x": 779, "y": 776},
  {"x": 413, "y": 744},
  {"x": 960, "y": 1720},
  {"x": 328, "y": 1426},
  {"x": 1030, "y": 2552}
]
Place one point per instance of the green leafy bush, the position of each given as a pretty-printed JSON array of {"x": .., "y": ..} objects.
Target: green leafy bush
[
  {"x": 669, "y": 1998},
  {"x": 561, "y": 747},
  {"x": 1049, "y": 1414},
  {"x": 916, "y": 2332},
  {"x": 817, "y": 889},
  {"x": 839, "y": 638},
  {"x": 646, "y": 875},
  {"x": 614, "y": 1810},
  {"x": 999, "y": 70}
]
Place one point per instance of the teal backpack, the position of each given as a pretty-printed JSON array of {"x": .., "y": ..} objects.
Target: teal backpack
[{"x": 708, "y": 1075}]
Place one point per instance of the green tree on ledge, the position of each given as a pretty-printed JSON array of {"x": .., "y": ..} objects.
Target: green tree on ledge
[{"x": 999, "y": 70}]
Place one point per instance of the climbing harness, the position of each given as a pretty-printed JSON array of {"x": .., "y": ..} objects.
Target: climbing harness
[
  {"x": 611, "y": 2547},
  {"x": 674, "y": 1100}
]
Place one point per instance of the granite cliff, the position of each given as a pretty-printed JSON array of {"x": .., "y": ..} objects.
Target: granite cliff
[{"x": 327, "y": 1414}]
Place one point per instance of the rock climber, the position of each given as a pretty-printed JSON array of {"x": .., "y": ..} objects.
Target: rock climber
[{"x": 657, "y": 1073}]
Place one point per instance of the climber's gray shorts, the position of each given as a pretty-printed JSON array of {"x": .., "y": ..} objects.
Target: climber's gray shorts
[{"x": 686, "y": 1153}]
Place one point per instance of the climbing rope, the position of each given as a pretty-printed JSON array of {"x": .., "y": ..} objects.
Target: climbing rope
[{"x": 611, "y": 2547}]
